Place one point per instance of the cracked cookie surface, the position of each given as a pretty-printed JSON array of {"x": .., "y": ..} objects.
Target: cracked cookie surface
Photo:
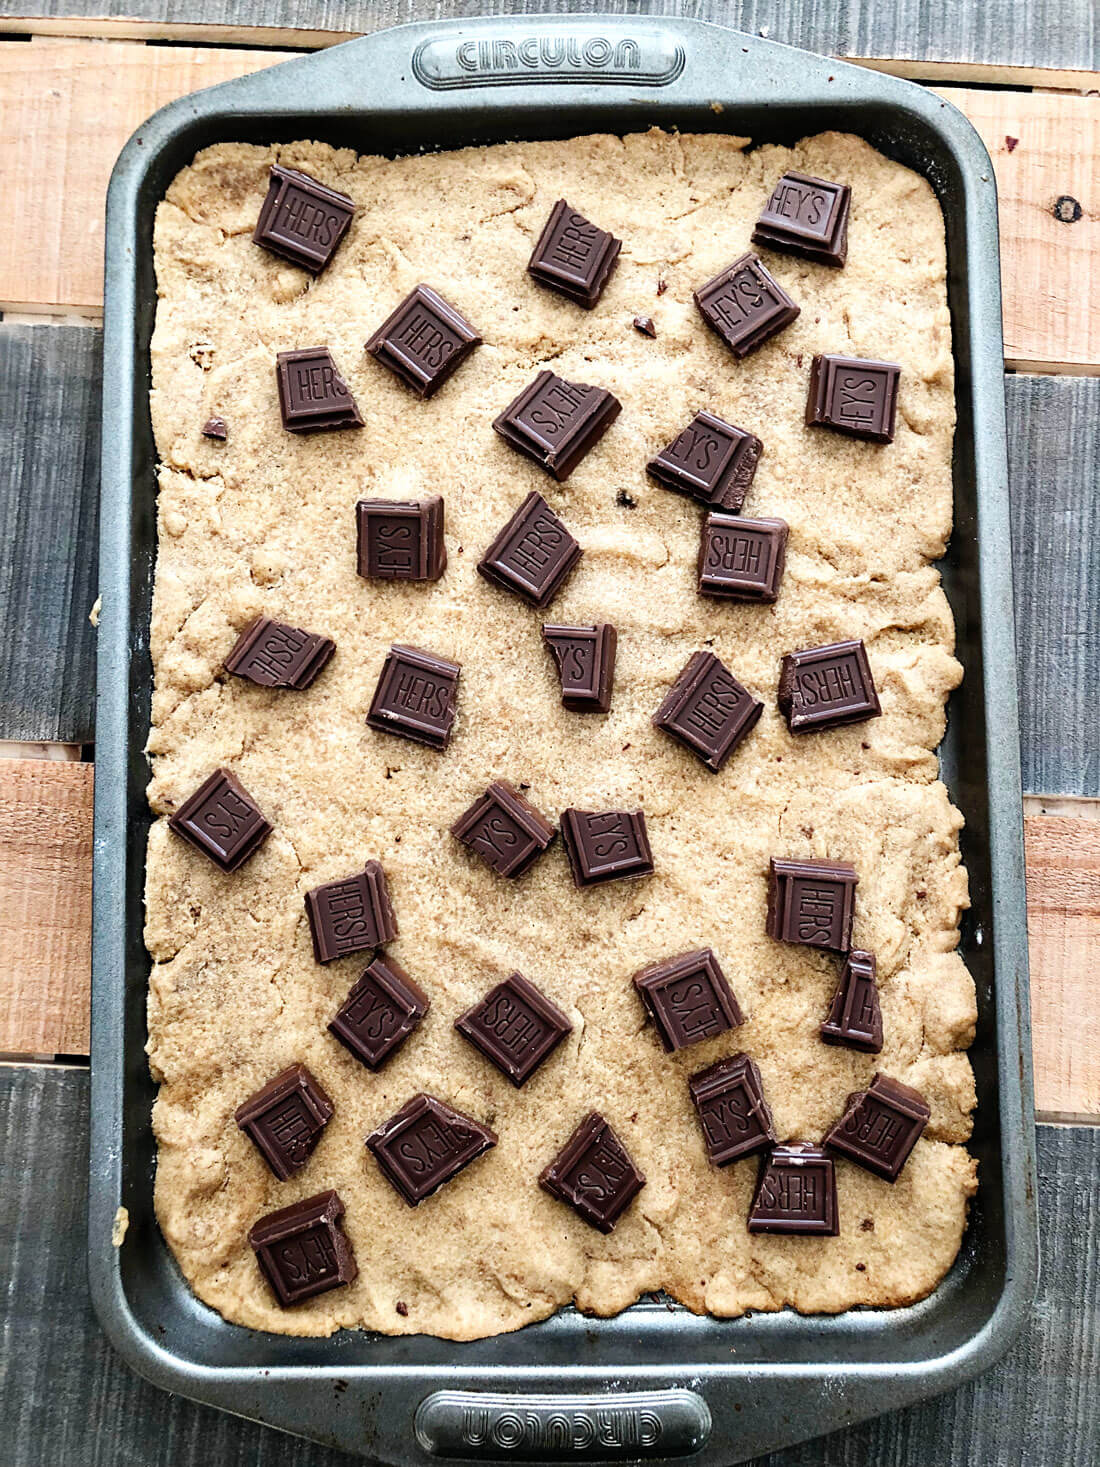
[{"x": 266, "y": 523}]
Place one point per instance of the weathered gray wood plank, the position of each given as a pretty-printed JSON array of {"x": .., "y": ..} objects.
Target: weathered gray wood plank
[
  {"x": 66, "y": 1398},
  {"x": 49, "y": 456},
  {"x": 1057, "y": 34}
]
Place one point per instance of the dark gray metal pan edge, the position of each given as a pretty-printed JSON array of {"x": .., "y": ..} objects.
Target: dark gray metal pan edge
[{"x": 789, "y": 1377}]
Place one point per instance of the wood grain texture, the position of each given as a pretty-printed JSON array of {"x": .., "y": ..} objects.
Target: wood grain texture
[
  {"x": 49, "y": 460},
  {"x": 69, "y": 1401},
  {"x": 45, "y": 906},
  {"x": 996, "y": 39}
]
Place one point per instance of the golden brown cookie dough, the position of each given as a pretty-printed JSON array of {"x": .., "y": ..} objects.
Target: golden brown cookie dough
[{"x": 265, "y": 522}]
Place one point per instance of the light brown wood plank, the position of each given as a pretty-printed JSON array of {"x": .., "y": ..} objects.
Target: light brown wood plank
[{"x": 45, "y": 905}]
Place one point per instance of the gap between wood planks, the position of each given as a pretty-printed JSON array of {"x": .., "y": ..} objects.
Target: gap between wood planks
[
  {"x": 45, "y": 928},
  {"x": 67, "y": 106}
]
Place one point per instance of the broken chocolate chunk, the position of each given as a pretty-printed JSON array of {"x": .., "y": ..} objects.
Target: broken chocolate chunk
[
  {"x": 807, "y": 216},
  {"x": 401, "y": 540},
  {"x": 312, "y": 394},
  {"x": 708, "y": 710},
  {"x": 606, "y": 845},
  {"x": 222, "y": 820},
  {"x": 426, "y": 1144},
  {"x": 515, "y": 1026},
  {"x": 504, "y": 829},
  {"x": 556, "y": 422},
  {"x": 880, "y": 1126},
  {"x": 379, "y": 1013},
  {"x": 854, "y": 396},
  {"x": 827, "y": 687},
  {"x": 573, "y": 256},
  {"x": 215, "y": 428},
  {"x": 795, "y": 1192},
  {"x": 745, "y": 305},
  {"x": 742, "y": 559},
  {"x": 855, "y": 1015},
  {"x": 285, "y": 1119},
  {"x": 594, "y": 1174},
  {"x": 351, "y": 916},
  {"x": 711, "y": 460},
  {"x": 811, "y": 902},
  {"x": 424, "y": 341},
  {"x": 302, "y": 1249},
  {"x": 732, "y": 1111},
  {"x": 275, "y": 655},
  {"x": 533, "y": 553},
  {"x": 585, "y": 659},
  {"x": 645, "y": 325},
  {"x": 688, "y": 998},
  {"x": 416, "y": 697},
  {"x": 302, "y": 220}
]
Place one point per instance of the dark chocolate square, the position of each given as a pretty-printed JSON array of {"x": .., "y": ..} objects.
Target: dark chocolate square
[
  {"x": 285, "y": 1119},
  {"x": 585, "y": 659},
  {"x": 302, "y": 1249},
  {"x": 302, "y": 220},
  {"x": 275, "y": 655},
  {"x": 735, "y": 1118},
  {"x": 504, "y": 829},
  {"x": 742, "y": 559},
  {"x": 711, "y": 460},
  {"x": 855, "y": 1015},
  {"x": 416, "y": 697},
  {"x": 556, "y": 422},
  {"x": 807, "y": 216},
  {"x": 379, "y": 1013},
  {"x": 401, "y": 540},
  {"x": 856, "y": 397},
  {"x": 880, "y": 1126},
  {"x": 424, "y": 341},
  {"x": 515, "y": 1026},
  {"x": 812, "y": 903},
  {"x": 827, "y": 687},
  {"x": 688, "y": 998},
  {"x": 745, "y": 305},
  {"x": 222, "y": 820},
  {"x": 426, "y": 1144},
  {"x": 708, "y": 710},
  {"x": 573, "y": 256},
  {"x": 312, "y": 394},
  {"x": 796, "y": 1192},
  {"x": 533, "y": 554},
  {"x": 606, "y": 845},
  {"x": 353, "y": 915},
  {"x": 593, "y": 1174}
]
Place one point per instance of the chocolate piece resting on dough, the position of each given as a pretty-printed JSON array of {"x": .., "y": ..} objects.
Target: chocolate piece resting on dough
[
  {"x": 711, "y": 460},
  {"x": 379, "y": 1013},
  {"x": 222, "y": 820},
  {"x": 285, "y": 1119},
  {"x": 504, "y": 829},
  {"x": 594, "y": 1174},
  {"x": 880, "y": 1126},
  {"x": 312, "y": 394},
  {"x": 688, "y": 998},
  {"x": 424, "y": 341},
  {"x": 745, "y": 305},
  {"x": 585, "y": 659},
  {"x": 573, "y": 256},
  {"x": 352, "y": 915},
  {"x": 827, "y": 687},
  {"x": 855, "y": 1015},
  {"x": 275, "y": 655},
  {"x": 426, "y": 1144},
  {"x": 606, "y": 845},
  {"x": 742, "y": 559},
  {"x": 401, "y": 540},
  {"x": 729, "y": 1099},
  {"x": 532, "y": 555},
  {"x": 708, "y": 710},
  {"x": 515, "y": 1026},
  {"x": 807, "y": 216},
  {"x": 811, "y": 902},
  {"x": 556, "y": 422},
  {"x": 416, "y": 697},
  {"x": 795, "y": 1192},
  {"x": 302, "y": 220},
  {"x": 853, "y": 396},
  {"x": 302, "y": 1249}
]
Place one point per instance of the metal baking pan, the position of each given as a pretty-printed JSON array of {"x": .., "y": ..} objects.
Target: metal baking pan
[{"x": 657, "y": 1381}]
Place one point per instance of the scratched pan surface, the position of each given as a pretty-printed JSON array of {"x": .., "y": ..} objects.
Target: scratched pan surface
[{"x": 655, "y": 1382}]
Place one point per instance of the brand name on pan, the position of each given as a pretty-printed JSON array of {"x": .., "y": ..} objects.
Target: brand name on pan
[
  {"x": 551, "y": 1432},
  {"x": 645, "y": 58}
]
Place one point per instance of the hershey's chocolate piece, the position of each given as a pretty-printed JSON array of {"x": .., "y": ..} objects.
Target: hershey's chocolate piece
[
  {"x": 812, "y": 902},
  {"x": 573, "y": 256},
  {"x": 302, "y": 1249},
  {"x": 285, "y": 1119},
  {"x": 795, "y": 1192},
  {"x": 504, "y": 829},
  {"x": 826, "y": 687},
  {"x": 742, "y": 559},
  {"x": 708, "y": 710},
  {"x": 853, "y": 396},
  {"x": 606, "y": 845},
  {"x": 215, "y": 428},
  {"x": 880, "y": 1126},
  {"x": 556, "y": 422},
  {"x": 401, "y": 540},
  {"x": 533, "y": 553},
  {"x": 515, "y": 1026},
  {"x": 855, "y": 1015},
  {"x": 688, "y": 998},
  {"x": 585, "y": 659},
  {"x": 302, "y": 220},
  {"x": 594, "y": 1174},
  {"x": 645, "y": 325},
  {"x": 745, "y": 305},
  {"x": 275, "y": 655},
  {"x": 222, "y": 820},
  {"x": 353, "y": 915},
  {"x": 424, "y": 341},
  {"x": 710, "y": 460},
  {"x": 416, "y": 697},
  {"x": 426, "y": 1144},
  {"x": 807, "y": 216},
  {"x": 732, "y": 1111},
  {"x": 312, "y": 394},
  {"x": 380, "y": 1012}
]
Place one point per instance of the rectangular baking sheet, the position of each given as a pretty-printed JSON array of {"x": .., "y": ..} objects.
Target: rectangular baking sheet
[{"x": 657, "y": 1381}]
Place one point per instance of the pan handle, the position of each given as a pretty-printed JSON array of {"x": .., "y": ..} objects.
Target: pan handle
[{"x": 529, "y": 1428}]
